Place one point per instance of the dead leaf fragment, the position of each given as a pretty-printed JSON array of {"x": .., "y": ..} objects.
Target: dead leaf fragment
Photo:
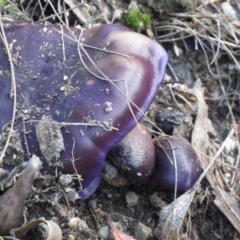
[
  {"x": 12, "y": 202},
  {"x": 171, "y": 216},
  {"x": 54, "y": 232},
  {"x": 225, "y": 201},
  {"x": 229, "y": 207}
]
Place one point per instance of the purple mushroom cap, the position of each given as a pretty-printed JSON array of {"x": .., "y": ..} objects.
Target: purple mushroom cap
[
  {"x": 187, "y": 167},
  {"x": 134, "y": 155},
  {"x": 57, "y": 81}
]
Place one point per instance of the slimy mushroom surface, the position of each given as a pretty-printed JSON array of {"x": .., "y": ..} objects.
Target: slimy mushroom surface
[
  {"x": 75, "y": 101},
  {"x": 175, "y": 156},
  {"x": 134, "y": 155}
]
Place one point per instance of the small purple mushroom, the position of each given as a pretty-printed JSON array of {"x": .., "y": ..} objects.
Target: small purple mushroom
[
  {"x": 175, "y": 155},
  {"x": 75, "y": 101},
  {"x": 134, "y": 155}
]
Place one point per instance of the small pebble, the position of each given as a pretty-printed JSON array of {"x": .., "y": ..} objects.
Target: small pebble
[
  {"x": 108, "y": 107},
  {"x": 71, "y": 194},
  {"x": 141, "y": 231},
  {"x": 230, "y": 146},
  {"x": 132, "y": 198},
  {"x": 93, "y": 204},
  {"x": 228, "y": 175},
  {"x": 2, "y": 172},
  {"x": 157, "y": 201},
  {"x": 109, "y": 195},
  {"x": 71, "y": 237},
  {"x": 73, "y": 222},
  {"x": 106, "y": 232}
]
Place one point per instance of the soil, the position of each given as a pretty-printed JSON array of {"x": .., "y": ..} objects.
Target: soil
[{"x": 203, "y": 220}]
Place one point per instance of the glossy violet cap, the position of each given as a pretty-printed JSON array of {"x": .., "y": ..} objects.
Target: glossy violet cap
[
  {"x": 59, "y": 80},
  {"x": 134, "y": 155},
  {"x": 187, "y": 165}
]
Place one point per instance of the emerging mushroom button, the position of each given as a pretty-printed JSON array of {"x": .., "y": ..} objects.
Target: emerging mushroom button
[
  {"x": 134, "y": 156},
  {"x": 177, "y": 164},
  {"x": 171, "y": 159},
  {"x": 85, "y": 89}
]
